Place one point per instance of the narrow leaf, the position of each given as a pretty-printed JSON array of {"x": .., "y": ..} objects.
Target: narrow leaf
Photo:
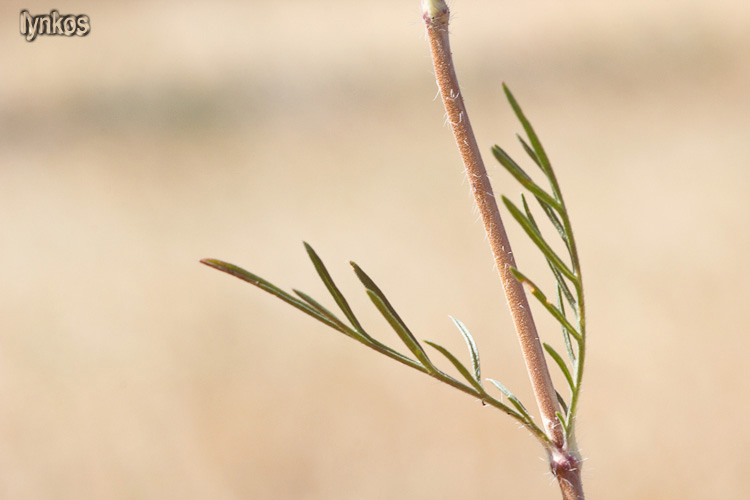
[
  {"x": 333, "y": 289},
  {"x": 392, "y": 314},
  {"x": 459, "y": 366},
  {"x": 522, "y": 177},
  {"x": 512, "y": 398},
  {"x": 537, "y": 239},
  {"x": 561, "y": 363},
  {"x": 566, "y": 335},
  {"x": 560, "y": 280},
  {"x": 553, "y": 310},
  {"x": 554, "y": 219},
  {"x": 264, "y": 285},
  {"x": 563, "y": 285},
  {"x": 400, "y": 328},
  {"x": 533, "y": 138},
  {"x": 505, "y": 159},
  {"x": 341, "y": 326},
  {"x": 473, "y": 351},
  {"x": 530, "y": 152},
  {"x": 529, "y": 215},
  {"x": 561, "y": 419},
  {"x": 370, "y": 285},
  {"x": 562, "y": 402}
]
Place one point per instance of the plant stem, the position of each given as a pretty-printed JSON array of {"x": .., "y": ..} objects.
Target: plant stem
[
  {"x": 565, "y": 465},
  {"x": 544, "y": 391}
]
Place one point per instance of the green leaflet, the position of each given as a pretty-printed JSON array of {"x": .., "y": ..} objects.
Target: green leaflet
[
  {"x": 333, "y": 289},
  {"x": 561, "y": 363},
  {"x": 563, "y": 404},
  {"x": 459, "y": 366},
  {"x": 522, "y": 177},
  {"x": 512, "y": 398},
  {"x": 530, "y": 152},
  {"x": 536, "y": 145},
  {"x": 390, "y": 314},
  {"x": 403, "y": 332},
  {"x": 558, "y": 315},
  {"x": 566, "y": 335},
  {"x": 328, "y": 314},
  {"x": 473, "y": 350},
  {"x": 538, "y": 239},
  {"x": 264, "y": 285},
  {"x": 549, "y": 210}
]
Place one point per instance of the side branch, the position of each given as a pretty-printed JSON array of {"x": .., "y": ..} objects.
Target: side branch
[{"x": 436, "y": 16}]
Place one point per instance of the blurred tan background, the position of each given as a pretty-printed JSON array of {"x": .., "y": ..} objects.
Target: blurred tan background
[{"x": 182, "y": 130}]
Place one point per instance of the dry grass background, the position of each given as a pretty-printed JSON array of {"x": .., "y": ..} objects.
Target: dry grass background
[{"x": 182, "y": 130}]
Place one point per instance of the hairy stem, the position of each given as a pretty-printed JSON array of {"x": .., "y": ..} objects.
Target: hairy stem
[
  {"x": 564, "y": 464},
  {"x": 436, "y": 16},
  {"x": 566, "y": 467}
]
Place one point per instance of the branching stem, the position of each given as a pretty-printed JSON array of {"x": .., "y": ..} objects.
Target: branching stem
[{"x": 557, "y": 432}]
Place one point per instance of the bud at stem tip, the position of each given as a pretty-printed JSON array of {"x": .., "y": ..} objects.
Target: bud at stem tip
[{"x": 434, "y": 9}]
